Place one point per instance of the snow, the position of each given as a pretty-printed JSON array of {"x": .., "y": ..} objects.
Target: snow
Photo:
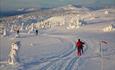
[
  {"x": 69, "y": 21},
  {"x": 109, "y": 28},
  {"x": 73, "y": 8},
  {"x": 54, "y": 48},
  {"x": 26, "y": 9},
  {"x": 106, "y": 12}
]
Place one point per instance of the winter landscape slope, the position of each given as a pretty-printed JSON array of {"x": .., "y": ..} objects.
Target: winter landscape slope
[{"x": 54, "y": 47}]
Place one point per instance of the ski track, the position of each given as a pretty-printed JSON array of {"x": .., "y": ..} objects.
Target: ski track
[
  {"x": 71, "y": 63},
  {"x": 57, "y": 65},
  {"x": 48, "y": 65},
  {"x": 65, "y": 61},
  {"x": 52, "y": 63},
  {"x": 60, "y": 65}
]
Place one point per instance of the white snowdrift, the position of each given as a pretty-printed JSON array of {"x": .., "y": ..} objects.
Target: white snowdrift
[{"x": 109, "y": 28}]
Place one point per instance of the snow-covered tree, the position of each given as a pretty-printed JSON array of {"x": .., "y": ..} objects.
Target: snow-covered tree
[
  {"x": 109, "y": 28},
  {"x": 13, "y": 53},
  {"x": 31, "y": 28},
  {"x": 12, "y": 29},
  {"x": 106, "y": 12},
  {"x": 5, "y": 32},
  {"x": 22, "y": 26}
]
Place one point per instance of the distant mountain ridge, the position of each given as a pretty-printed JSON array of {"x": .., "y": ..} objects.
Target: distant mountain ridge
[
  {"x": 62, "y": 8},
  {"x": 71, "y": 7}
]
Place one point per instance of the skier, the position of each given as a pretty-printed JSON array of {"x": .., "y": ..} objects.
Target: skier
[
  {"x": 36, "y": 32},
  {"x": 80, "y": 45},
  {"x": 13, "y": 53},
  {"x": 17, "y": 33}
]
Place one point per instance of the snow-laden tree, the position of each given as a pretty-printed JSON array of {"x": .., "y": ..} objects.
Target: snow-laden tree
[
  {"x": 5, "y": 32},
  {"x": 22, "y": 27},
  {"x": 12, "y": 28},
  {"x": 106, "y": 12},
  {"x": 109, "y": 28},
  {"x": 69, "y": 21},
  {"x": 31, "y": 28},
  {"x": 13, "y": 53}
]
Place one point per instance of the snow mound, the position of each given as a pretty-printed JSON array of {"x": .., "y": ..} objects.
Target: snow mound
[
  {"x": 106, "y": 12},
  {"x": 109, "y": 28}
]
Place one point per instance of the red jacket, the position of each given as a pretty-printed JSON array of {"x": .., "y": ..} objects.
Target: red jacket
[{"x": 79, "y": 44}]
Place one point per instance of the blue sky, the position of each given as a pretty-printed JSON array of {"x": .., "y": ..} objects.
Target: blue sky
[{"x": 14, "y": 4}]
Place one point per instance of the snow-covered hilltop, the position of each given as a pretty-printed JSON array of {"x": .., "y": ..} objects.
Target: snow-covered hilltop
[{"x": 72, "y": 7}]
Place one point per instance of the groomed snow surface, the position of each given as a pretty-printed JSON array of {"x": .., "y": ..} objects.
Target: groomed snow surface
[{"x": 54, "y": 48}]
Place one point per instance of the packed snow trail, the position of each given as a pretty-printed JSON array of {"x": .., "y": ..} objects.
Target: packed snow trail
[
  {"x": 54, "y": 59},
  {"x": 65, "y": 57},
  {"x": 66, "y": 60},
  {"x": 58, "y": 58},
  {"x": 71, "y": 63}
]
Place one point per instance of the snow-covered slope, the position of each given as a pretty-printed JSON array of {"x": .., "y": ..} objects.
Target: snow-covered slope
[{"x": 54, "y": 48}]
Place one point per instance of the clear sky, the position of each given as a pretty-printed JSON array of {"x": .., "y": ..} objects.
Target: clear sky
[{"x": 14, "y": 4}]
